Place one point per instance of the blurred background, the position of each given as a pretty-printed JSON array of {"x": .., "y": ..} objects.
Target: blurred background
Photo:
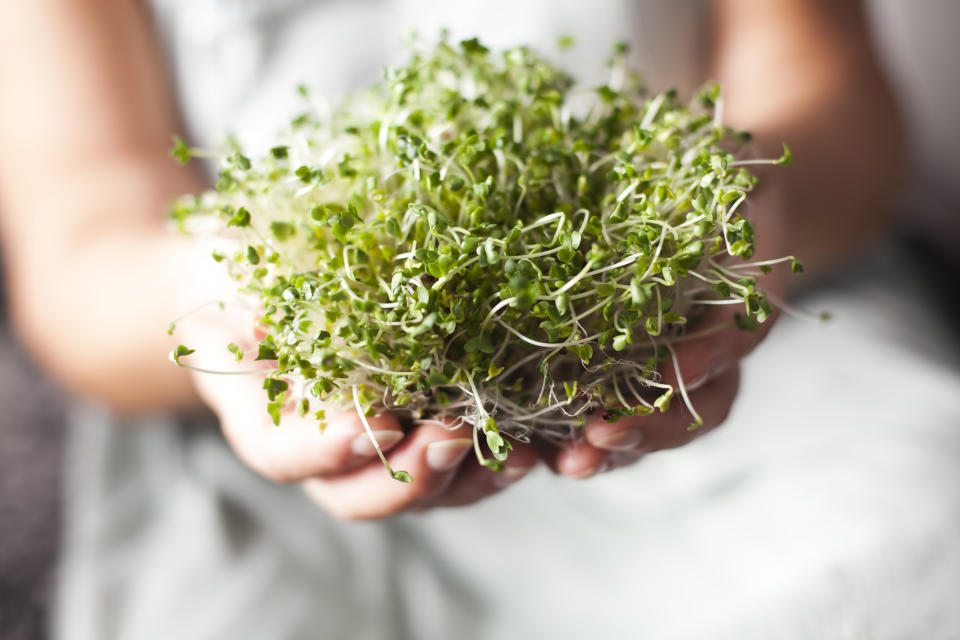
[
  {"x": 31, "y": 447},
  {"x": 920, "y": 50}
]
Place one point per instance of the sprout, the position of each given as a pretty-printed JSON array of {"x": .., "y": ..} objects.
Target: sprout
[{"x": 459, "y": 241}]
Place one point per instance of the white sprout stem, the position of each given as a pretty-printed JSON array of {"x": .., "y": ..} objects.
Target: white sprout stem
[
  {"x": 717, "y": 302},
  {"x": 764, "y": 263},
  {"x": 683, "y": 387},
  {"x": 369, "y": 430},
  {"x": 652, "y": 110},
  {"x": 545, "y": 220},
  {"x": 493, "y": 312},
  {"x": 637, "y": 394},
  {"x": 537, "y": 343},
  {"x": 793, "y": 312},
  {"x": 190, "y": 367},
  {"x": 747, "y": 163}
]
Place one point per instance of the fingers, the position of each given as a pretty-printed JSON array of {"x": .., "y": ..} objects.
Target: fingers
[
  {"x": 475, "y": 482},
  {"x": 431, "y": 454},
  {"x": 613, "y": 444},
  {"x": 715, "y": 345},
  {"x": 712, "y": 401},
  {"x": 578, "y": 460},
  {"x": 298, "y": 449}
]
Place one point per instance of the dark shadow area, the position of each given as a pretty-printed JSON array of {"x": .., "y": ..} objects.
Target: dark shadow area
[{"x": 32, "y": 412}]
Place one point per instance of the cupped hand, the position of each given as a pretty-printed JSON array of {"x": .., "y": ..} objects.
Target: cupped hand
[
  {"x": 707, "y": 360},
  {"x": 338, "y": 467}
]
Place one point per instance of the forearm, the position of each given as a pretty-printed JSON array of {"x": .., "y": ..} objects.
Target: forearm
[
  {"x": 86, "y": 119},
  {"x": 809, "y": 77},
  {"x": 92, "y": 298}
]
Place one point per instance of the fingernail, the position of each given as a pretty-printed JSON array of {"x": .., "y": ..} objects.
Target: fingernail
[
  {"x": 446, "y": 454},
  {"x": 621, "y": 440},
  {"x": 362, "y": 446},
  {"x": 585, "y": 473},
  {"x": 508, "y": 476}
]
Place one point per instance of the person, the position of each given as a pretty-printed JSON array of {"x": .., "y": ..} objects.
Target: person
[{"x": 92, "y": 91}]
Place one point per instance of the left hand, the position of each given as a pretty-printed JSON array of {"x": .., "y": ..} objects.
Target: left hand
[{"x": 709, "y": 367}]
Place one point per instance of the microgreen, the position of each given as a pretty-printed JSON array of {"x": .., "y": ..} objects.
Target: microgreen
[{"x": 460, "y": 241}]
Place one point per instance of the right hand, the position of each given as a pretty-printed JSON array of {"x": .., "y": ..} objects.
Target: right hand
[{"x": 338, "y": 467}]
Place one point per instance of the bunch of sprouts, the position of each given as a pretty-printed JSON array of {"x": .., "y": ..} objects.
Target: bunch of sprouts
[{"x": 461, "y": 242}]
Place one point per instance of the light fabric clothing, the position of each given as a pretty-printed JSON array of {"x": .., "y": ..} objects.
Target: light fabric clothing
[
  {"x": 237, "y": 62},
  {"x": 827, "y": 507}
]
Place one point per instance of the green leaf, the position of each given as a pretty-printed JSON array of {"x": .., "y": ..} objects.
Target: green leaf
[
  {"x": 620, "y": 342},
  {"x": 273, "y": 409},
  {"x": 242, "y": 161},
  {"x": 401, "y": 476},
  {"x": 281, "y": 230},
  {"x": 787, "y": 158},
  {"x": 493, "y": 371},
  {"x": 746, "y": 323},
  {"x": 240, "y": 219},
  {"x": 493, "y": 465},
  {"x": 181, "y": 351},
  {"x": 236, "y": 351},
  {"x": 274, "y": 387},
  {"x": 565, "y": 42},
  {"x": 473, "y": 47},
  {"x": 180, "y": 152},
  {"x": 663, "y": 402},
  {"x": 479, "y": 343},
  {"x": 266, "y": 352},
  {"x": 499, "y": 447}
]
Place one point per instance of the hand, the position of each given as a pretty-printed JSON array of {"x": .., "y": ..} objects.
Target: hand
[
  {"x": 708, "y": 366},
  {"x": 339, "y": 467}
]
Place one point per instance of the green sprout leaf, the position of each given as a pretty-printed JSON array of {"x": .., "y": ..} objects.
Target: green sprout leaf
[
  {"x": 180, "y": 352},
  {"x": 663, "y": 402},
  {"x": 274, "y": 387},
  {"x": 787, "y": 158},
  {"x": 401, "y": 476},
  {"x": 273, "y": 410},
  {"x": 479, "y": 343},
  {"x": 180, "y": 152},
  {"x": 240, "y": 219},
  {"x": 266, "y": 351}
]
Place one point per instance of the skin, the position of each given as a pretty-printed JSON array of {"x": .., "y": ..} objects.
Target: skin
[{"x": 86, "y": 117}]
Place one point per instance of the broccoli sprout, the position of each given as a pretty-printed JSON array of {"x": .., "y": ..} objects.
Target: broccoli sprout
[{"x": 462, "y": 241}]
